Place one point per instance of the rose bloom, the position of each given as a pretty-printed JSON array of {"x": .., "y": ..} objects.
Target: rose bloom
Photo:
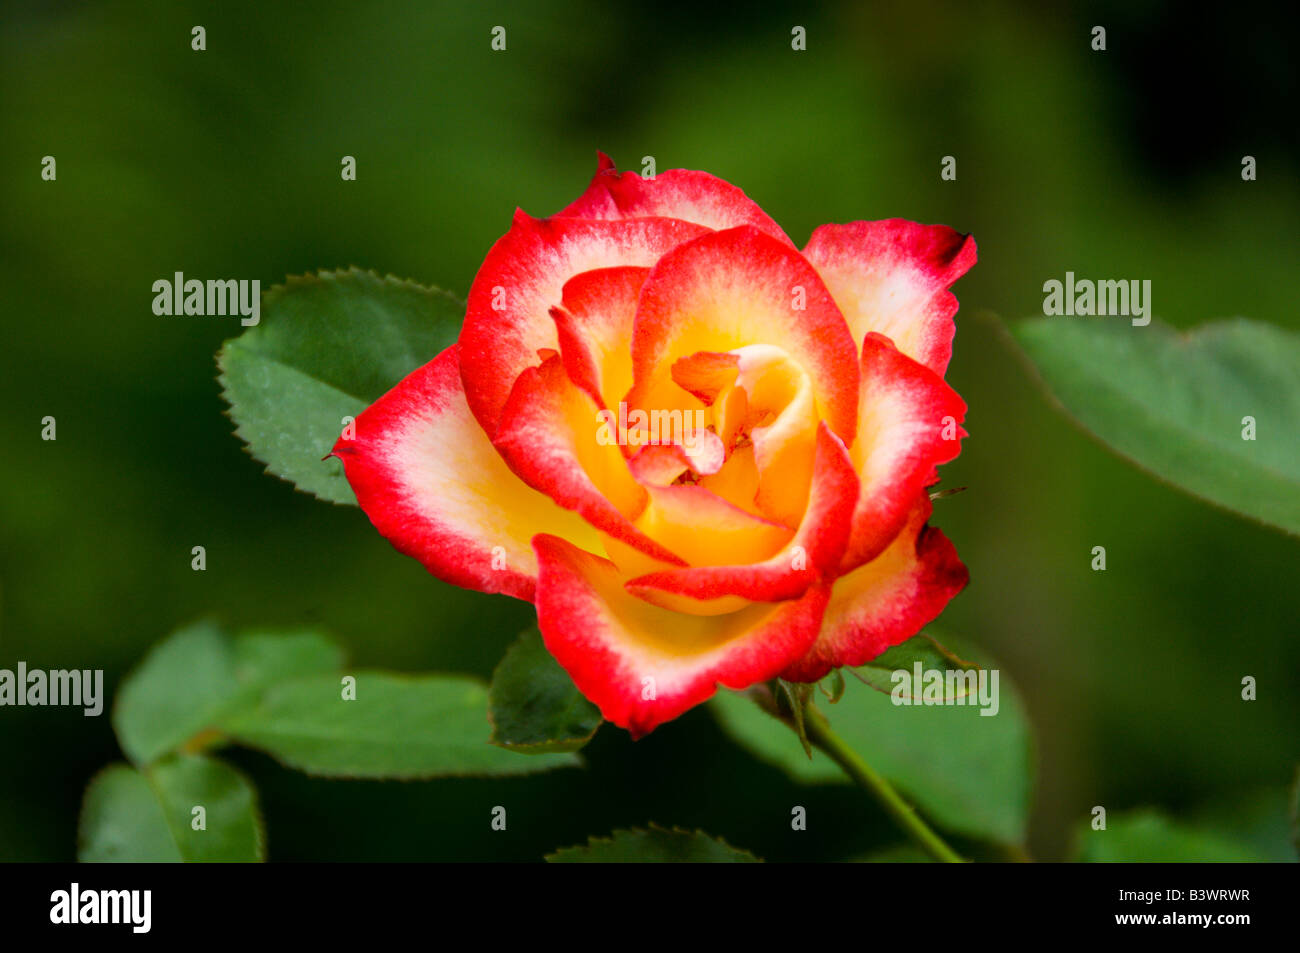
[{"x": 702, "y": 453}]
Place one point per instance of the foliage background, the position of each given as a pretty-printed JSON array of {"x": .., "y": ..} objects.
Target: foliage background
[{"x": 226, "y": 164}]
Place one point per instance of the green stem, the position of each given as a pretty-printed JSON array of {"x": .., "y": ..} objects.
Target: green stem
[{"x": 819, "y": 732}]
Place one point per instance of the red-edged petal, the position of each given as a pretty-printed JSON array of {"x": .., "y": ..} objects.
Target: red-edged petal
[
  {"x": 594, "y": 326},
  {"x": 706, "y": 529},
  {"x": 893, "y": 277},
  {"x": 731, "y": 289},
  {"x": 434, "y": 486},
  {"x": 549, "y": 437},
  {"x": 642, "y": 665},
  {"x": 887, "y": 601},
  {"x": 508, "y": 319},
  {"x": 909, "y": 422},
  {"x": 677, "y": 193},
  {"x": 706, "y": 374},
  {"x": 813, "y": 553},
  {"x": 662, "y": 463}
]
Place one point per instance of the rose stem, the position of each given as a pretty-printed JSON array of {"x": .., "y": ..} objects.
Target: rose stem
[{"x": 819, "y": 732}]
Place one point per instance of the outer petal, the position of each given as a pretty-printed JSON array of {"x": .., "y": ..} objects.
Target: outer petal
[
  {"x": 887, "y": 601},
  {"x": 813, "y": 553},
  {"x": 909, "y": 422},
  {"x": 727, "y": 290},
  {"x": 548, "y": 436},
  {"x": 642, "y": 665},
  {"x": 893, "y": 277},
  {"x": 508, "y": 319},
  {"x": 434, "y": 486},
  {"x": 677, "y": 193}
]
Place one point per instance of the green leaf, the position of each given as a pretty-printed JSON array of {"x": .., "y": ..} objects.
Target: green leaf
[
  {"x": 396, "y": 727},
  {"x": 231, "y": 827},
  {"x": 533, "y": 704},
  {"x": 191, "y": 680},
  {"x": 121, "y": 820},
  {"x": 151, "y": 816},
  {"x": 1174, "y": 404},
  {"x": 284, "y": 693},
  {"x": 1294, "y": 812},
  {"x": 970, "y": 773},
  {"x": 653, "y": 846},
  {"x": 265, "y": 656},
  {"x": 328, "y": 345},
  {"x": 932, "y": 656},
  {"x": 1147, "y": 836}
]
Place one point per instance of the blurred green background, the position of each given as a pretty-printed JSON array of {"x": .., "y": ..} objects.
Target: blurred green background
[{"x": 225, "y": 163}]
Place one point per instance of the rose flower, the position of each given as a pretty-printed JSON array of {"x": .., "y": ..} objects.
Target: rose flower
[{"x": 702, "y": 453}]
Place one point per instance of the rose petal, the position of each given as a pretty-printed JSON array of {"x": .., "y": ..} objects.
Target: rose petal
[
  {"x": 886, "y": 601},
  {"x": 705, "y": 529},
  {"x": 594, "y": 325},
  {"x": 549, "y": 437},
  {"x": 676, "y": 193},
  {"x": 727, "y": 290},
  {"x": 781, "y": 416},
  {"x": 524, "y": 275},
  {"x": 737, "y": 481},
  {"x": 642, "y": 665},
  {"x": 909, "y": 422},
  {"x": 434, "y": 486},
  {"x": 892, "y": 277},
  {"x": 701, "y": 452},
  {"x": 812, "y": 554}
]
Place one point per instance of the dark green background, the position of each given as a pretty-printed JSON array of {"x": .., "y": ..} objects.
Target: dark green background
[{"x": 225, "y": 163}]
